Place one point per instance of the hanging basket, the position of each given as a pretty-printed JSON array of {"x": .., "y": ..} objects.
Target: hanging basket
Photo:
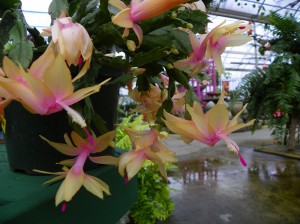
[{"x": 25, "y": 149}]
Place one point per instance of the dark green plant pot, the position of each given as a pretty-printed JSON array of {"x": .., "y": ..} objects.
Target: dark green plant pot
[
  {"x": 105, "y": 102},
  {"x": 25, "y": 149}
]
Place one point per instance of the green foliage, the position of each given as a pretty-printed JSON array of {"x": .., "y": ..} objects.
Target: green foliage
[
  {"x": 14, "y": 40},
  {"x": 274, "y": 89},
  {"x": 137, "y": 123},
  {"x": 56, "y": 7},
  {"x": 285, "y": 32},
  {"x": 273, "y": 93},
  {"x": 154, "y": 202},
  {"x": 7, "y": 5},
  {"x": 22, "y": 48}
]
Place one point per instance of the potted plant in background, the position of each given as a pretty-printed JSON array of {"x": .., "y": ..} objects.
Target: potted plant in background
[{"x": 48, "y": 77}]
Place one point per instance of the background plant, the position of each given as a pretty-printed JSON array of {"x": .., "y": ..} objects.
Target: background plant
[
  {"x": 154, "y": 200},
  {"x": 273, "y": 93}
]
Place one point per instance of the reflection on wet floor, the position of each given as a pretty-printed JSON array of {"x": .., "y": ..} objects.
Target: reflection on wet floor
[{"x": 222, "y": 191}]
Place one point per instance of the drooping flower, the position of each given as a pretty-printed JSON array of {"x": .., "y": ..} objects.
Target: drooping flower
[
  {"x": 147, "y": 145},
  {"x": 208, "y": 128},
  {"x": 140, "y": 10},
  {"x": 150, "y": 101},
  {"x": 72, "y": 41},
  {"x": 73, "y": 182},
  {"x": 44, "y": 89},
  {"x": 226, "y": 36},
  {"x": 75, "y": 177},
  {"x": 196, "y": 61}
]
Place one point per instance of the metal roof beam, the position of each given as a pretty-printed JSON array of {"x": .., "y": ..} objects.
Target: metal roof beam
[{"x": 236, "y": 15}]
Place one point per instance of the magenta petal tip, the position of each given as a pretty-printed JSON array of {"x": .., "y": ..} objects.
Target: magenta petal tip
[
  {"x": 126, "y": 179},
  {"x": 64, "y": 207},
  {"x": 243, "y": 161}
]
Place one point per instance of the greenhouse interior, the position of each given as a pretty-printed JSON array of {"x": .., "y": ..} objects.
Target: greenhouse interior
[{"x": 150, "y": 111}]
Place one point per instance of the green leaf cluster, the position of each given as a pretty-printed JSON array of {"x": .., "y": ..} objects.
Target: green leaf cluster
[
  {"x": 154, "y": 201},
  {"x": 285, "y": 32},
  {"x": 133, "y": 122},
  {"x": 277, "y": 88},
  {"x": 14, "y": 41}
]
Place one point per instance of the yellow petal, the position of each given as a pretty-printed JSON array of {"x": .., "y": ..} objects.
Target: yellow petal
[
  {"x": 218, "y": 117},
  {"x": 38, "y": 88},
  {"x": 198, "y": 118},
  {"x": 63, "y": 148},
  {"x": 138, "y": 32},
  {"x": 95, "y": 186},
  {"x": 195, "y": 42},
  {"x": 10, "y": 69},
  {"x": 238, "y": 126},
  {"x": 134, "y": 165},
  {"x": 182, "y": 127},
  {"x": 118, "y": 4},
  {"x": 141, "y": 139},
  {"x": 40, "y": 66},
  {"x": 124, "y": 159},
  {"x": 103, "y": 141},
  {"x": 86, "y": 44},
  {"x": 67, "y": 162},
  {"x": 60, "y": 194},
  {"x": 218, "y": 61},
  {"x": 123, "y": 19},
  {"x": 82, "y": 93},
  {"x": 166, "y": 156},
  {"x": 78, "y": 140},
  {"x": 83, "y": 70},
  {"x": 235, "y": 40},
  {"x": 23, "y": 94},
  {"x": 68, "y": 140},
  {"x": 58, "y": 79},
  {"x": 155, "y": 159},
  {"x": 73, "y": 182},
  {"x": 234, "y": 120},
  {"x": 108, "y": 160},
  {"x": 54, "y": 180}
]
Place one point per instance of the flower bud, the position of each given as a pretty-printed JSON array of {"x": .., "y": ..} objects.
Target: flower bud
[
  {"x": 131, "y": 45},
  {"x": 189, "y": 25},
  {"x": 173, "y": 15},
  {"x": 170, "y": 66},
  {"x": 174, "y": 51},
  {"x": 8, "y": 47}
]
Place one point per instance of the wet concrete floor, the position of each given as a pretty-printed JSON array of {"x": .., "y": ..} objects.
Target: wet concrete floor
[{"x": 210, "y": 185}]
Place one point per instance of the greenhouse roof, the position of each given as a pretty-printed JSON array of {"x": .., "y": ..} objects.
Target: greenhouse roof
[{"x": 237, "y": 61}]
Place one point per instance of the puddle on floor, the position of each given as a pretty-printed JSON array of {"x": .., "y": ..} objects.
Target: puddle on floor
[{"x": 223, "y": 191}]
